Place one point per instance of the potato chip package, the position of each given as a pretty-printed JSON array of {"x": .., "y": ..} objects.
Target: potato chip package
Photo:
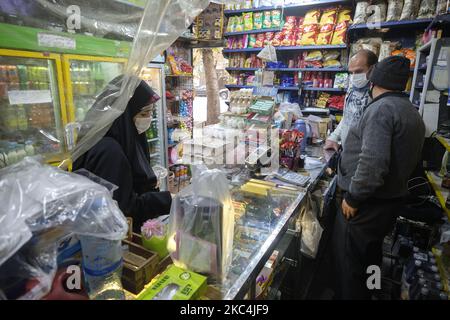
[
  {"x": 394, "y": 10},
  {"x": 377, "y": 12},
  {"x": 257, "y": 20},
  {"x": 361, "y": 12},
  {"x": 231, "y": 26},
  {"x": 288, "y": 37},
  {"x": 331, "y": 55},
  {"x": 344, "y": 15},
  {"x": 248, "y": 21},
  {"x": 325, "y": 35},
  {"x": 329, "y": 16},
  {"x": 259, "y": 40},
  {"x": 267, "y": 20},
  {"x": 310, "y": 33},
  {"x": 251, "y": 41},
  {"x": 315, "y": 55},
  {"x": 290, "y": 24},
  {"x": 277, "y": 39},
  {"x": 239, "y": 24},
  {"x": 268, "y": 37},
  {"x": 340, "y": 34},
  {"x": 332, "y": 64},
  {"x": 312, "y": 17},
  {"x": 276, "y": 18}
]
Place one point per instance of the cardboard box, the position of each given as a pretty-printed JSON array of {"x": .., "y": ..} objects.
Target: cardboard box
[{"x": 175, "y": 284}]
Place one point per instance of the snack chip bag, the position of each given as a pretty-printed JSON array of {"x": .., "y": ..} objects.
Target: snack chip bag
[
  {"x": 277, "y": 39},
  {"x": 340, "y": 34},
  {"x": 312, "y": 17},
  {"x": 251, "y": 41},
  {"x": 411, "y": 55},
  {"x": 361, "y": 12},
  {"x": 290, "y": 23},
  {"x": 329, "y": 16},
  {"x": 257, "y": 20},
  {"x": 267, "y": 20},
  {"x": 300, "y": 21},
  {"x": 268, "y": 37},
  {"x": 331, "y": 55},
  {"x": 276, "y": 18},
  {"x": 310, "y": 33},
  {"x": 315, "y": 55},
  {"x": 332, "y": 64},
  {"x": 248, "y": 21},
  {"x": 259, "y": 40},
  {"x": 344, "y": 15},
  {"x": 239, "y": 24},
  {"x": 231, "y": 24},
  {"x": 325, "y": 35},
  {"x": 287, "y": 40}
]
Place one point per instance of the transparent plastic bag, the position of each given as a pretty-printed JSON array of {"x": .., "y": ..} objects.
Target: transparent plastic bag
[
  {"x": 410, "y": 8},
  {"x": 361, "y": 12},
  {"x": 394, "y": 10},
  {"x": 311, "y": 230},
  {"x": 268, "y": 53},
  {"x": 42, "y": 205},
  {"x": 201, "y": 225}
]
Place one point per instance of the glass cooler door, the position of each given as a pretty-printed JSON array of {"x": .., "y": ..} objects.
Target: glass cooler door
[
  {"x": 86, "y": 78},
  {"x": 32, "y": 110}
]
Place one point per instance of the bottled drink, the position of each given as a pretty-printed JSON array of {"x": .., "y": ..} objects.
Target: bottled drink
[{"x": 102, "y": 267}]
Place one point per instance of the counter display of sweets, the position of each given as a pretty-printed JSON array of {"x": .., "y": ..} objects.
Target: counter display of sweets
[{"x": 12, "y": 152}]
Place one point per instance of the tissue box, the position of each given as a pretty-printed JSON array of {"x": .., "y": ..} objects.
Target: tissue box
[{"x": 175, "y": 284}]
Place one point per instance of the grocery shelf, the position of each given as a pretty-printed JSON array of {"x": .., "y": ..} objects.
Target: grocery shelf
[
  {"x": 316, "y": 110},
  {"x": 444, "y": 141},
  {"x": 441, "y": 193},
  {"x": 240, "y": 33},
  {"x": 288, "y": 88},
  {"x": 283, "y": 69},
  {"x": 393, "y": 24},
  {"x": 324, "y": 89},
  {"x": 237, "y": 86},
  {"x": 324, "y": 69},
  {"x": 305, "y": 3},
  {"x": 289, "y": 48},
  {"x": 241, "y": 69}
]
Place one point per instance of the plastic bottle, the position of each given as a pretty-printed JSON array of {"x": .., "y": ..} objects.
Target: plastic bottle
[
  {"x": 29, "y": 149},
  {"x": 12, "y": 155},
  {"x": 102, "y": 267}
]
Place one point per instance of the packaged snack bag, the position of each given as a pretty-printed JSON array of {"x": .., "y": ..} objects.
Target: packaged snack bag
[
  {"x": 340, "y": 34},
  {"x": 310, "y": 33},
  {"x": 361, "y": 12},
  {"x": 277, "y": 39},
  {"x": 287, "y": 39},
  {"x": 231, "y": 24},
  {"x": 332, "y": 64},
  {"x": 315, "y": 55},
  {"x": 312, "y": 17},
  {"x": 300, "y": 21},
  {"x": 329, "y": 16},
  {"x": 251, "y": 40},
  {"x": 410, "y": 9},
  {"x": 331, "y": 55},
  {"x": 268, "y": 37},
  {"x": 257, "y": 20},
  {"x": 248, "y": 21},
  {"x": 276, "y": 18},
  {"x": 325, "y": 35},
  {"x": 377, "y": 12},
  {"x": 427, "y": 9},
  {"x": 394, "y": 10},
  {"x": 259, "y": 40},
  {"x": 239, "y": 24},
  {"x": 267, "y": 20},
  {"x": 344, "y": 15},
  {"x": 290, "y": 23}
]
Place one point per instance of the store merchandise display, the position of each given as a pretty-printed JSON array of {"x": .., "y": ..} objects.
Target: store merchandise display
[{"x": 209, "y": 24}]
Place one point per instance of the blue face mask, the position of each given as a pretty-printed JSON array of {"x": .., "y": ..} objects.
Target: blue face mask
[{"x": 359, "y": 80}]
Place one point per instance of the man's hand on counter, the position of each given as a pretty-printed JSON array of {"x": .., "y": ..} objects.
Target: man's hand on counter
[
  {"x": 347, "y": 210},
  {"x": 331, "y": 145}
]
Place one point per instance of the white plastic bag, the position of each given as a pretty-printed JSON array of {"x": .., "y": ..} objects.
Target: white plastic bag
[
  {"x": 201, "y": 225},
  {"x": 311, "y": 230},
  {"x": 268, "y": 53}
]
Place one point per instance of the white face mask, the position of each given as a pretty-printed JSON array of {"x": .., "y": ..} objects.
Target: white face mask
[
  {"x": 359, "y": 80},
  {"x": 142, "y": 124}
]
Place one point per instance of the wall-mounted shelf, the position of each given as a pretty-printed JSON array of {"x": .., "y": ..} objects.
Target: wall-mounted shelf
[
  {"x": 241, "y": 69},
  {"x": 240, "y": 33},
  {"x": 324, "y": 89},
  {"x": 289, "y": 48},
  {"x": 291, "y": 69},
  {"x": 238, "y": 86},
  {"x": 393, "y": 24}
]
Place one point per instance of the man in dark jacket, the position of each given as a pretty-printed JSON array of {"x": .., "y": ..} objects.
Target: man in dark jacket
[{"x": 378, "y": 157}]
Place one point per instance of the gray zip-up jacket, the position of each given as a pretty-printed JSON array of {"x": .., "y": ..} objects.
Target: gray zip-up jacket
[{"x": 382, "y": 151}]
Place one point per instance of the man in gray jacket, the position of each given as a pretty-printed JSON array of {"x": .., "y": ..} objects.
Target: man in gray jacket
[{"x": 379, "y": 155}]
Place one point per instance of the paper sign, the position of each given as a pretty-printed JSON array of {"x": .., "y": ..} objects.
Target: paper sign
[
  {"x": 54, "y": 41},
  {"x": 29, "y": 96}
]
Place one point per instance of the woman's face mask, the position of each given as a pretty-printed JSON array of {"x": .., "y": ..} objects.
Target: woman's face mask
[{"x": 143, "y": 119}]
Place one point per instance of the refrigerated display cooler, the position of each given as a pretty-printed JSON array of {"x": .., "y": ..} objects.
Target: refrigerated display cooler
[
  {"x": 153, "y": 74},
  {"x": 32, "y": 106}
]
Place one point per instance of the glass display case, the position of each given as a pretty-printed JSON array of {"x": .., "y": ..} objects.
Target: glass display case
[{"x": 32, "y": 106}]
